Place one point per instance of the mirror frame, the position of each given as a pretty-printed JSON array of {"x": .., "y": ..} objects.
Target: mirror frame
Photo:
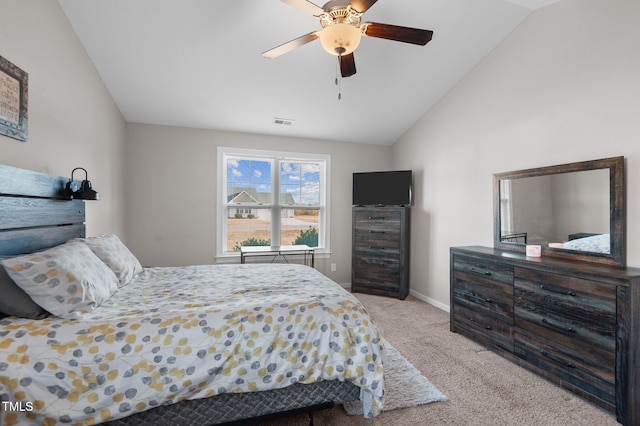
[{"x": 617, "y": 210}]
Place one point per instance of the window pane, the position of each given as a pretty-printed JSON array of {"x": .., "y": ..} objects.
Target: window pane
[
  {"x": 248, "y": 181},
  {"x": 299, "y": 227},
  {"x": 299, "y": 183},
  {"x": 248, "y": 227}
]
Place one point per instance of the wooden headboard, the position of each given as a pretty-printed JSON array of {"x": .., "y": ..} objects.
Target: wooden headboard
[{"x": 36, "y": 212}]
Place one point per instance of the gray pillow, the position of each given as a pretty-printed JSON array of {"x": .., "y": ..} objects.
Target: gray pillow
[{"x": 14, "y": 301}]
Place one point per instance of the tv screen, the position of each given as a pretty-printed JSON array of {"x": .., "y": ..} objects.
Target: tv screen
[{"x": 382, "y": 188}]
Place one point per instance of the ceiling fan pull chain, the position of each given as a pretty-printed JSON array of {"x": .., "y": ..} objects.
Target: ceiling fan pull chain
[{"x": 338, "y": 79}]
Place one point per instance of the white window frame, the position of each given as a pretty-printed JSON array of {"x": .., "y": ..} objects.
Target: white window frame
[{"x": 222, "y": 205}]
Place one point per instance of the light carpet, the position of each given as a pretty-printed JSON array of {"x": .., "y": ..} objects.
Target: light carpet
[{"x": 404, "y": 386}]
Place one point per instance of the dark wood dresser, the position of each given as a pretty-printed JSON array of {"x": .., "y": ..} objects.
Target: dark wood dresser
[
  {"x": 574, "y": 323},
  {"x": 380, "y": 251}
]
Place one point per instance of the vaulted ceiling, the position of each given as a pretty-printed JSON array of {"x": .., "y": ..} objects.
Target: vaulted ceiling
[{"x": 198, "y": 63}]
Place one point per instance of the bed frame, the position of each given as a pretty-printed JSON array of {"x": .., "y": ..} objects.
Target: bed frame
[{"x": 36, "y": 213}]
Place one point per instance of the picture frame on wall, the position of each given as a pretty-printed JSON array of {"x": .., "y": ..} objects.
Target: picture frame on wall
[{"x": 14, "y": 87}]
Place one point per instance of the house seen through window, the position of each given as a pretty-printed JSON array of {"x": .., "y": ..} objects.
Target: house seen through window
[{"x": 272, "y": 198}]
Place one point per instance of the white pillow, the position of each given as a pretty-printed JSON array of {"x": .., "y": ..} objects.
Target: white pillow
[
  {"x": 68, "y": 280},
  {"x": 116, "y": 255}
]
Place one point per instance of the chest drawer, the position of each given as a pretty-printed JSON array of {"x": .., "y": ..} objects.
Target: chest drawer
[
  {"x": 372, "y": 248},
  {"x": 387, "y": 281},
  {"x": 377, "y": 264},
  {"x": 377, "y": 236},
  {"x": 377, "y": 233},
  {"x": 374, "y": 219}
]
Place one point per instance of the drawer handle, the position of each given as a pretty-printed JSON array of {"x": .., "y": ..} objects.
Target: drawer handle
[
  {"x": 377, "y": 247},
  {"x": 376, "y": 218},
  {"x": 477, "y": 271},
  {"x": 564, "y": 293},
  {"x": 567, "y": 329},
  {"x": 480, "y": 298},
  {"x": 376, "y": 232},
  {"x": 549, "y": 357},
  {"x": 486, "y": 327}
]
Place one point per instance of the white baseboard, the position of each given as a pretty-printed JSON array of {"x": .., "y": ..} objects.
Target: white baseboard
[
  {"x": 414, "y": 294},
  {"x": 429, "y": 300}
]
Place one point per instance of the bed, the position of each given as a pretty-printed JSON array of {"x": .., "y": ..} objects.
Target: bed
[{"x": 193, "y": 345}]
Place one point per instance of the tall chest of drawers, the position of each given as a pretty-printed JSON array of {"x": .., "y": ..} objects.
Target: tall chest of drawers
[
  {"x": 574, "y": 323},
  {"x": 380, "y": 251}
]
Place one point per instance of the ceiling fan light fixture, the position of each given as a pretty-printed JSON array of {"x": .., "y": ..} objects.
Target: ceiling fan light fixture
[
  {"x": 340, "y": 38},
  {"x": 342, "y": 30}
]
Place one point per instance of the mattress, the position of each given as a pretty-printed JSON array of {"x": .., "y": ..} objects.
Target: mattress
[{"x": 186, "y": 333}]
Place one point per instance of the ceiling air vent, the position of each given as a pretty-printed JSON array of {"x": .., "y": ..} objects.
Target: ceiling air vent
[{"x": 283, "y": 121}]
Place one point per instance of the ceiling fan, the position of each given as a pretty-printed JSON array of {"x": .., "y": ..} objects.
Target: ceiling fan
[{"x": 341, "y": 31}]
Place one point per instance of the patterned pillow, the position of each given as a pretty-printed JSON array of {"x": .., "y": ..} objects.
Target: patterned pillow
[
  {"x": 68, "y": 280},
  {"x": 116, "y": 255}
]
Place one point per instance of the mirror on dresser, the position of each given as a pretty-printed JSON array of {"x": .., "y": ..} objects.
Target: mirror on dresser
[{"x": 574, "y": 211}]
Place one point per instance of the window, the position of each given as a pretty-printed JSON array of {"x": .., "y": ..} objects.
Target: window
[
  {"x": 271, "y": 198},
  {"x": 506, "y": 207}
]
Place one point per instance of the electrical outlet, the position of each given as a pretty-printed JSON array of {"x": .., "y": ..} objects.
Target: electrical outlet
[{"x": 333, "y": 267}]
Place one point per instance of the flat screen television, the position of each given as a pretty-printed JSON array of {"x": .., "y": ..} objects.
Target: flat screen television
[{"x": 391, "y": 188}]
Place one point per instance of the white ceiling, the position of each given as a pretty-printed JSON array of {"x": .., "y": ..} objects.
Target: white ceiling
[{"x": 198, "y": 63}]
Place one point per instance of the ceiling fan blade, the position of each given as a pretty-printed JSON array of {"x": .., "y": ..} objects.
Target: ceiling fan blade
[
  {"x": 362, "y": 5},
  {"x": 347, "y": 65},
  {"x": 397, "y": 33},
  {"x": 305, "y": 6},
  {"x": 290, "y": 45}
]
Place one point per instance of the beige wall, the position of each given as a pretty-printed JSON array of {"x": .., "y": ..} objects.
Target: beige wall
[
  {"x": 73, "y": 121},
  {"x": 563, "y": 87},
  {"x": 171, "y": 191}
]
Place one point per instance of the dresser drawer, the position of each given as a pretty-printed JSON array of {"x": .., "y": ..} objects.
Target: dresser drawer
[
  {"x": 567, "y": 326},
  {"x": 574, "y": 323},
  {"x": 594, "y": 376},
  {"x": 473, "y": 269},
  {"x": 577, "y": 313},
  {"x": 493, "y": 298},
  {"x": 487, "y": 330}
]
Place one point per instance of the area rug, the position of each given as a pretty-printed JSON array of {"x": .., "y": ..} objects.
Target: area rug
[{"x": 404, "y": 385}]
